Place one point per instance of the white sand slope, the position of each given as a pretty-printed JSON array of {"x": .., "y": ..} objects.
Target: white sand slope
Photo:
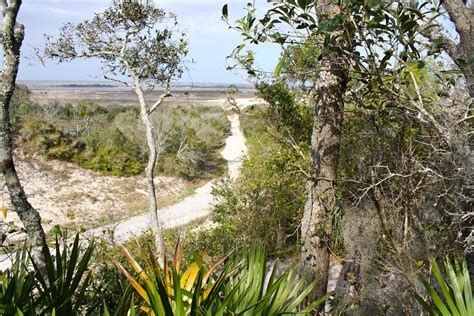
[{"x": 192, "y": 208}]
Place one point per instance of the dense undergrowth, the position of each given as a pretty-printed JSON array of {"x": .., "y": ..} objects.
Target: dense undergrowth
[
  {"x": 111, "y": 140},
  {"x": 110, "y": 280}
]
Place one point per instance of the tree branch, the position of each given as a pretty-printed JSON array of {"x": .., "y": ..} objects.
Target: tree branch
[
  {"x": 3, "y": 7},
  {"x": 128, "y": 84},
  {"x": 459, "y": 14},
  {"x": 162, "y": 97},
  {"x": 449, "y": 45},
  {"x": 427, "y": 116}
]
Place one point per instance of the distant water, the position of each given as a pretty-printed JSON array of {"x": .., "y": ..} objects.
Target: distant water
[{"x": 45, "y": 86}]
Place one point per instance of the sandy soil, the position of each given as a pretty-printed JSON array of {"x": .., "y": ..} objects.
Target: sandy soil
[{"x": 69, "y": 196}]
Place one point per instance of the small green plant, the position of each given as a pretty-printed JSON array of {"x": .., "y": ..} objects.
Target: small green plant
[
  {"x": 456, "y": 291},
  {"x": 68, "y": 277},
  {"x": 254, "y": 289},
  {"x": 167, "y": 290},
  {"x": 16, "y": 287}
]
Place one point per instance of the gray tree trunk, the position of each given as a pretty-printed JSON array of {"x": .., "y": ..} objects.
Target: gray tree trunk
[
  {"x": 152, "y": 157},
  {"x": 316, "y": 225},
  {"x": 12, "y": 38},
  {"x": 461, "y": 14}
]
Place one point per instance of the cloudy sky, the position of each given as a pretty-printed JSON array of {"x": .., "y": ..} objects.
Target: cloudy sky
[{"x": 210, "y": 39}]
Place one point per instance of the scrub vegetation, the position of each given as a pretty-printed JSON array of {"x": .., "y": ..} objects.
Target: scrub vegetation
[
  {"x": 110, "y": 139},
  {"x": 356, "y": 186}
]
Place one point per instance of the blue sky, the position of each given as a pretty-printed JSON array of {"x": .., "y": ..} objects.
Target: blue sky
[{"x": 210, "y": 39}]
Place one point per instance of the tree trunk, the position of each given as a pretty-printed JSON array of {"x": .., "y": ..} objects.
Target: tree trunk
[
  {"x": 461, "y": 14},
  {"x": 12, "y": 38},
  {"x": 152, "y": 157},
  {"x": 316, "y": 225}
]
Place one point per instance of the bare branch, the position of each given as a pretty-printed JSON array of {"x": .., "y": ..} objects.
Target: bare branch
[
  {"x": 162, "y": 97},
  {"x": 128, "y": 84},
  {"x": 3, "y": 7},
  {"x": 426, "y": 115}
]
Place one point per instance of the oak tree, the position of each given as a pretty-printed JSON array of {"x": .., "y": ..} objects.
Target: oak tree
[{"x": 137, "y": 45}]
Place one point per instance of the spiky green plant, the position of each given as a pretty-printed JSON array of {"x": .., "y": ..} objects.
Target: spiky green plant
[
  {"x": 68, "y": 278},
  {"x": 254, "y": 289},
  {"x": 244, "y": 286},
  {"x": 16, "y": 287},
  {"x": 167, "y": 290},
  {"x": 456, "y": 291}
]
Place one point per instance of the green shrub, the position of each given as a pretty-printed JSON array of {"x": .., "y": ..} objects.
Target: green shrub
[
  {"x": 110, "y": 152},
  {"x": 16, "y": 287},
  {"x": 49, "y": 139},
  {"x": 265, "y": 204},
  {"x": 456, "y": 297},
  {"x": 111, "y": 140},
  {"x": 62, "y": 290}
]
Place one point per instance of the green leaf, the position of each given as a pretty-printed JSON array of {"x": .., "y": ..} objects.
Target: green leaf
[
  {"x": 282, "y": 65},
  {"x": 106, "y": 310},
  {"x": 225, "y": 12},
  {"x": 435, "y": 297},
  {"x": 407, "y": 26},
  {"x": 444, "y": 288}
]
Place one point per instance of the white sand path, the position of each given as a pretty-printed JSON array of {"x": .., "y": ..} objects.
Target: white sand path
[{"x": 195, "y": 207}]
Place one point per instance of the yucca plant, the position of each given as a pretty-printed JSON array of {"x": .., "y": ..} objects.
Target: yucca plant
[
  {"x": 68, "y": 278},
  {"x": 456, "y": 291},
  {"x": 254, "y": 289},
  {"x": 167, "y": 290},
  {"x": 244, "y": 287},
  {"x": 16, "y": 287}
]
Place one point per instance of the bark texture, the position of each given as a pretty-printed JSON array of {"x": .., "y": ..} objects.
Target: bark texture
[
  {"x": 316, "y": 226},
  {"x": 12, "y": 38},
  {"x": 152, "y": 157},
  {"x": 461, "y": 14}
]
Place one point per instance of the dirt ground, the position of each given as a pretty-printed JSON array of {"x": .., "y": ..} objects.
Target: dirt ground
[{"x": 69, "y": 196}]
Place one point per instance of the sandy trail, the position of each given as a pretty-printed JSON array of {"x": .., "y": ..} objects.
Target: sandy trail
[{"x": 195, "y": 207}]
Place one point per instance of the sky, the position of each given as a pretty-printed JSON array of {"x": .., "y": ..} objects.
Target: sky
[{"x": 210, "y": 40}]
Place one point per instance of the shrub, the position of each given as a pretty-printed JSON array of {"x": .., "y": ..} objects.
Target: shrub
[
  {"x": 265, "y": 204},
  {"x": 16, "y": 287},
  {"x": 49, "y": 139},
  {"x": 110, "y": 152},
  {"x": 111, "y": 140}
]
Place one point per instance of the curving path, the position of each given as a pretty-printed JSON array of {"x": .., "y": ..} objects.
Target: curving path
[{"x": 192, "y": 208}]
